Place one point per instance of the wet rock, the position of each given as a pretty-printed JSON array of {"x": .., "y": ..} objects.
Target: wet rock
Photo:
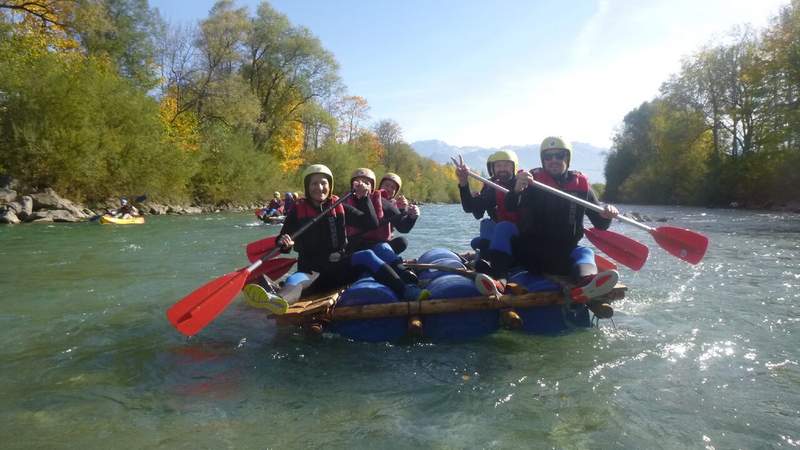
[
  {"x": 27, "y": 206},
  {"x": 7, "y": 216},
  {"x": 49, "y": 199},
  {"x": 54, "y": 215}
]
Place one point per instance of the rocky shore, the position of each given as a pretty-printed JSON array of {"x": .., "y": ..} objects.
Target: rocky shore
[{"x": 47, "y": 206}]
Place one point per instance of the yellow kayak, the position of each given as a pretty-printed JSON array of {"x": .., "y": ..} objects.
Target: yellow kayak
[{"x": 119, "y": 221}]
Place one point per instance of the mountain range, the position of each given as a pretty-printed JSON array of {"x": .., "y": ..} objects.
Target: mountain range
[{"x": 587, "y": 158}]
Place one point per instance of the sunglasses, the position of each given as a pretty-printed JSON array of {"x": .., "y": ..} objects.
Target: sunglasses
[{"x": 559, "y": 155}]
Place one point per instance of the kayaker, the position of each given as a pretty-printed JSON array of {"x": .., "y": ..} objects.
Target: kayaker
[
  {"x": 322, "y": 262},
  {"x": 397, "y": 211},
  {"x": 274, "y": 208},
  {"x": 288, "y": 202},
  {"x": 496, "y": 232},
  {"x": 125, "y": 210},
  {"x": 551, "y": 227}
]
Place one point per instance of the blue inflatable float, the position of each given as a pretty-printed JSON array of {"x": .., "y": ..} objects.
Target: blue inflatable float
[{"x": 455, "y": 311}]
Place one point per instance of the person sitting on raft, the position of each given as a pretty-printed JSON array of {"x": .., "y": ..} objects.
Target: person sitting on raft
[
  {"x": 288, "y": 202},
  {"x": 397, "y": 212},
  {"x": 551, "y": 227},
  {"x": 496, "y": 232},
  {"x": 376, "y": 238},
  {"x": 274, "y": 208},
  {"x": 125, "y": 210},
  {"x": 322, "y": 262}
]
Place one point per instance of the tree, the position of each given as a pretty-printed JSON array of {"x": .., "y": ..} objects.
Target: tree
[
  {"x": 353, "y": 111},
  {"x": 127, "y": 32},
  {"x": 287, "y": 68},
  {"x": 388, "y": 131}
]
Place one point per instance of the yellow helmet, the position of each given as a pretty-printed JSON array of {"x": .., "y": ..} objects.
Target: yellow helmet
[
  {"x": 276, "y": 194},
  {"x": 313, "y": 169},
  {"x": 393, "y": 177},
  {"x": 363, "y": 172},
  {"x": 556, "y": 143},
  {"x": 502, "y": 155}
]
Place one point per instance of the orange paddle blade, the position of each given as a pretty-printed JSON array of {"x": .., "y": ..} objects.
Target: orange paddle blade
[
  {"x": 624, "y": 250},
  {"x": 192, "y": 313},
  {"x": 687, "y": 245}
]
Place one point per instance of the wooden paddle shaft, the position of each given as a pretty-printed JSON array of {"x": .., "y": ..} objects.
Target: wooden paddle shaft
[{"x": 566, "y": 196}]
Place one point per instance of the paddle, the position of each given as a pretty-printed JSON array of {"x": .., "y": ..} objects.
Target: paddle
[
  {"x": 138, "y": 199},
  {"x": 273, "y": 269},
  {"x": 193, "y": 312},
  {"x": 627, "y": 251},
  {"x": 685, "y": 244},
  {"x": 603, "y": 264},
  {"x": 256, "y": 249}
]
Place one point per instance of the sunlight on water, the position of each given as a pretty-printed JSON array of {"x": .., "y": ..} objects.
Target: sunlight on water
[{"x": 697, "y": 356}]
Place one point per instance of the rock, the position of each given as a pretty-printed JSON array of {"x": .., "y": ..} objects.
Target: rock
[
  {"x": 50, "y": 200},
  {"x": 15, "y": 207},
  {"x": 7, "y": 216},
  {"x": 193, "y": 210},
  {"x": 151, "y": 208},
  {"x": 7, "y": 195},
  {"x": 27, "y": 205},
  {"x": 54, "y": 215}
]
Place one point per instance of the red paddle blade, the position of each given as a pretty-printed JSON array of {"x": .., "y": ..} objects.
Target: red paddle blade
[
  {"x": 255, "y": 250},
  {"x": 603, "y": 264},
  {"x": 192, "y": 313},
  {"x": 620, "y": 248},
  {"x": 685, "y": 244},
  {"x": 273, "y": 268}
]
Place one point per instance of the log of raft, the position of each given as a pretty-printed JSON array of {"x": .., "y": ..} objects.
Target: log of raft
[{"x": 323, "y": 308}]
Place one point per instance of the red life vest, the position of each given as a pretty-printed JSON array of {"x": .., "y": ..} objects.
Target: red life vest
[
  {"x": 305, "y": 210},
  {"x": 502, "y": 214},
  {"x": 381, "y": 234},
  {"x": 576, "y": 181}
]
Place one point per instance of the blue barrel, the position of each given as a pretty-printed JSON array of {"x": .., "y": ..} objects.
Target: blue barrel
[
  {"x": 435, "y": 254},
  {"x": 364, "y": 292},
  {"x": 461, "y": 325},
  {"x": 548, "y": 319},
  {"x": 433, "y": 274}
]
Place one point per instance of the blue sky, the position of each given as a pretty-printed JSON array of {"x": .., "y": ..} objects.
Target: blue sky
[{"x": 506, "y": 72}]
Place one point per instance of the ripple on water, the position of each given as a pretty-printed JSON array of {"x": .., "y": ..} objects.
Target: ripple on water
[{"x": 701, "y": 355}]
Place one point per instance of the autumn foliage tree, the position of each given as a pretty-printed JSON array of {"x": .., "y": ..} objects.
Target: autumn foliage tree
[{"x": 724, "y": 129}]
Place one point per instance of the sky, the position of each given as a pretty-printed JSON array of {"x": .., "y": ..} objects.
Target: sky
[{"x": 506, "y": 72}]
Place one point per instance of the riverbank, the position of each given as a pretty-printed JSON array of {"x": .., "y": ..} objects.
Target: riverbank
[
  {"x": 48, "y": 206},
  {"x": 17, "y": 206}
]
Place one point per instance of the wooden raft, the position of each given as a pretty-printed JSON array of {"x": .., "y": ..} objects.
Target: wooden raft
[{"x": 322, "y": 308}]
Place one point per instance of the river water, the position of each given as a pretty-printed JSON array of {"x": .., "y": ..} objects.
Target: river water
[{"x": 699, "y": 356}]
